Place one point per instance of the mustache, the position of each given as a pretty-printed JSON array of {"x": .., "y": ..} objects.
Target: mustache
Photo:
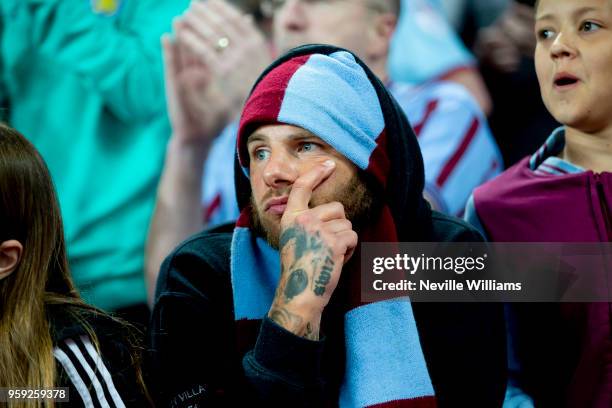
[{"x": 276, "y": 193}]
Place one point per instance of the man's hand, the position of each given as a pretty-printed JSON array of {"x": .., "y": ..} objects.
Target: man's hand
[
  {"x": 211, "y": 65},
  {"x": 194, "y": 118},
  {"x": 315, "y": 243}
]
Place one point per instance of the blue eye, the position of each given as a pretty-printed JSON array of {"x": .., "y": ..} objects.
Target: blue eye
[
  {"x": 307, "y": 147},
  {"x": 589, "y": 26},
  {"x": 261, "y": 154}
]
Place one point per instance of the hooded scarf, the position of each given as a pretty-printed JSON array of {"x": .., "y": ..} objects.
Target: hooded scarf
[{"x": 331, "y": 93}]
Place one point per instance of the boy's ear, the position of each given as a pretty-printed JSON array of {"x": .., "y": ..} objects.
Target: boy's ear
[{"x": 10, "y": 255}]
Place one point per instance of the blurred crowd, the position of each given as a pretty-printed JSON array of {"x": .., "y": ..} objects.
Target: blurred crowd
[
  {"x": 134, "y": 106},
  {"x": 109, "y": 125}
]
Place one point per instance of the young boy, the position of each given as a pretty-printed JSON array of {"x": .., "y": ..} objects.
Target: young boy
[{"x": 563, "y": 193}]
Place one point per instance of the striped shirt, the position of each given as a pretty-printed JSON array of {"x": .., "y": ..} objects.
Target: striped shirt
[
  {"x": 545, "y": 161},
  {"x": 92, "y": 383},
  {"x": 459, "y": 151}
]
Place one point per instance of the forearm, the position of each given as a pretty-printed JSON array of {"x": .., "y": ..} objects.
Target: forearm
[{"x": 178, "y": 209}]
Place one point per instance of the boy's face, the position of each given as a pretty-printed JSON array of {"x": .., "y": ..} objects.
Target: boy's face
[{"x": 574, "y": 61}]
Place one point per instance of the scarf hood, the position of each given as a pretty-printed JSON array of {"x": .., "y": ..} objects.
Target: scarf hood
[{"x": 331, "y": 93}]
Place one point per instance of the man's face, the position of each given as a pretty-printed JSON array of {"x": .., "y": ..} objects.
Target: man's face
[
  {"x": 574, "y": 61},
  {"x": 344, "y": 23},
  {"x": 278, "y": 155}
]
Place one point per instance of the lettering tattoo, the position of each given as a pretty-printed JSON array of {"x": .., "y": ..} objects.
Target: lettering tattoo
[{"x": 324, "y": 276}]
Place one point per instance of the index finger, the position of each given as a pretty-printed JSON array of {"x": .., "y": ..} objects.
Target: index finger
[
  {"x": 301, "y": 191},
  {"x": 234, "y": 17}
]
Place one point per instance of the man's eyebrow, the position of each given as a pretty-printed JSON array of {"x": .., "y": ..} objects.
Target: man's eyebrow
[
  {"x": 303, "y": 135},
  {"x": 297, "y": 135},
  {"x": 255, "y": 137}
]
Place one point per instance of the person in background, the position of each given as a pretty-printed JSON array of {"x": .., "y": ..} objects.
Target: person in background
[
  {"x": 458, "y": 148},
  {"x": 83, "y": 80},
  {"x": 562, "y": 193},
  {"x": 462, "y": 14},
  {"x": 423, "y": 30},
  {"x": 50, "y": 337},
  {"x": 211, "y": 61}
]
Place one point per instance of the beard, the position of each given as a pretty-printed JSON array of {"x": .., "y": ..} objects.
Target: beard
[{"x": 355, "y": 196}]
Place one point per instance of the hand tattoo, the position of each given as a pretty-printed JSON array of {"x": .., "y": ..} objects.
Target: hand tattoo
[
  {"x": 293, "y": 323},
  {"x": 303, "y": 241},
  {"x": 324, "y": 277},
  {"x": 298, "y": 280},
  {"x": 303, "y": 245},
  {"x": 308, "y": 265},
  {"x": 284, "y": 318}
]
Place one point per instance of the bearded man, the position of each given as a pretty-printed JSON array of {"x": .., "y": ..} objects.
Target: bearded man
[{"x": 269, "y": 311}]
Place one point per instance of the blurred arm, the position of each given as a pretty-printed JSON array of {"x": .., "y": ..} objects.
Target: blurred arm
[
  {"x": 178, "y": 208},
  {"x": 205, "y": 89},
  {"x": 117, "y": 56}
]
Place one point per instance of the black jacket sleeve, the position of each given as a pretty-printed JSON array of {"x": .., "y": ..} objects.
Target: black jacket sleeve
[
  {"x": 285, "y": 366},
  {"x": 193, "y": 358}
]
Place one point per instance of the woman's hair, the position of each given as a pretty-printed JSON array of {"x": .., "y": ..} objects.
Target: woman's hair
[{"x": 30, "y": 214}]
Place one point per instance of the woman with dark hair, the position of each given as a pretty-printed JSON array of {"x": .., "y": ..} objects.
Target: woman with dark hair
[{"x": 48, "y": 336}]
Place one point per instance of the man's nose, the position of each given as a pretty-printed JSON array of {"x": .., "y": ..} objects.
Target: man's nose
[{"x": 281, "y": 170}]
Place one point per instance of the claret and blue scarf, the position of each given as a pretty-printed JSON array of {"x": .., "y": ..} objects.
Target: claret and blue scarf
[{"x": 329, "y": 92}]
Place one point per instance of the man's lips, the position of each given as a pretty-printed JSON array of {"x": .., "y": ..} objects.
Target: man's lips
[
  {"x": 565, "y": 80},
  {"x": 276, "y": 205}
]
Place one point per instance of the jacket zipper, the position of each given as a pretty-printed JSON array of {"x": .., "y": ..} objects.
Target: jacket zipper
[{"x": 604, "y": 205}]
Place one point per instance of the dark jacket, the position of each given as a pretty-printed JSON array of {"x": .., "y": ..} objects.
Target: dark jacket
[{"x": 196, "y": 361}]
